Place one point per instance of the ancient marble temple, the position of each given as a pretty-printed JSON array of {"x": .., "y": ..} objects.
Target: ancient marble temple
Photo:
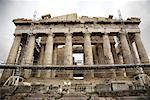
[{"x": 52, "y": 41}]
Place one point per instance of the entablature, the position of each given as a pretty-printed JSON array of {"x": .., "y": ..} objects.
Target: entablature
[{"x": 76, "y": 30}]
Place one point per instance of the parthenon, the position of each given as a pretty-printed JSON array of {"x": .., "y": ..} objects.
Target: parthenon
[{"x": 52, "y": 41}]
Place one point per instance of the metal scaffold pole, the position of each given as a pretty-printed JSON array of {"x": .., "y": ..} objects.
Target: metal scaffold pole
[{"x": 16, "y": 76}]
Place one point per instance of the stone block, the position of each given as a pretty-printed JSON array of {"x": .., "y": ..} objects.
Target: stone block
[
  {"x": 6, "y": 90},
  {"x": 89, "y": 89},
  {"x": 23, "y": 89},
  {"x": 119, "y": 86},
  {"x": 39, "y": 88},
  {"x": 103, "y": 88},
  {"x": 68, "y": 17}
]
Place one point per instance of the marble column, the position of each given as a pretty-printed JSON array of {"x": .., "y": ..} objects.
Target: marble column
[
  {"x": 88, "y": 49},
  {"x": 14, "y": 50},
  {"x": 114, "y": 53},
  {"x": 121, "y": 71},
  {"x": 41, "y": 59},
  {"x": 11, "y": 58},
  {"x": 107, "y": 52},
  {"x": 140, "y": 48},
  {"x": 136, "y": 59},
  {"x": 107, "y": 49},
  {"x": 88, "y": 55},
  {"x": 68, "y": 50},
  {"x": 120, "y": 57},
  {"x": 127, "y": 56},
  {"x": 55, "y": 55},
  {"x": 54, "y": 60},
  {"x": 68, "y": 60},
  {"x": 95, "y": 56},
  {"x": 101, "y": 59},
  {"x": 48, "y": 55},
  {"x": 28, "y": 59}
]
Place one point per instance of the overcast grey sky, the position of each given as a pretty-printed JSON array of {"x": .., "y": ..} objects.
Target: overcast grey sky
[{"x": 11, "y": 9}]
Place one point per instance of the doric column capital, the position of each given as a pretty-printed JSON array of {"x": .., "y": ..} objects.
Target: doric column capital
[
  {"x": 122, "y": 33},
  {"x": 137, "y": 34},
  {"x": 51, "y": 34},
  {"x": 87, "y": 34},
  {"x": 17, "y": 34},
  {"x": 68, "y": 34},
  {"x": 106, "y": 33}
]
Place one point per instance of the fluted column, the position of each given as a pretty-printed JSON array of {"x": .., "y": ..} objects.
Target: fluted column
[
  {"x": 55, "y": 55},
  {"x": 14, "y": 50},
  {"x": 140, "y": 48},
  {"x": 107, "y": 52},
  {"x": 127, "y": 56},
  {"x": 68, "y": 50},
  {"x": 88, "y": 49},
  {"x": 122, "y": 71},
  {"x": 11, "y": 58},
  {"x": 48, "y": 54},
  {"x": 101, "y": 58},
  {"x": 114, "y": 53},
  {"x": 54, "y": 60},
  {"x": 95, "y": 56},
  {"x": 107, "y": 49},
  {"x": 41, "y": 58},
  {"x": 29, "y": 54},
  {"x": 88, "y": 54},
  {"x": 68, "y": 53}
]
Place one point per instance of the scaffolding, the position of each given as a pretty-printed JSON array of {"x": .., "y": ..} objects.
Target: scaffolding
[{"x": 139, "y": 70}]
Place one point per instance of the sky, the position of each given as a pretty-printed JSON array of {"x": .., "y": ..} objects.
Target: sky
[{"x": 11, "y": 9}]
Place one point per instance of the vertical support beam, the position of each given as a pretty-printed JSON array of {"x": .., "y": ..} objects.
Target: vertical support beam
[
  {"x": 11, "y": 58},
  {"x": 14, "y": 50},
  {"x": 55, "y": 55},
  {"x": 41, "y": 58},
  {"x": 88, "y": 49},
  {"x": 115, "y": 56},
  {"x": 29, "y": 54},
  {"x": 127, "y": 57},
  {"x": 95, "y": 56},
  {"x": 135, "y": 55},
  {"x": 141, "y": 50},
  {"x": 114, "y": 53},
  {"x": 48, "y": 54},
  {"x": 68, "y": 50},
  {"x": 88, "y": 55},
  {"x": 54, "y": 60},
  {"x": 101, "y": 58},
  {"x": 107, "y": 52},
  {"x": 68, "y": 53},
  {"x": 120, "y": 57},
  {"x": 122, "y": 71}
]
